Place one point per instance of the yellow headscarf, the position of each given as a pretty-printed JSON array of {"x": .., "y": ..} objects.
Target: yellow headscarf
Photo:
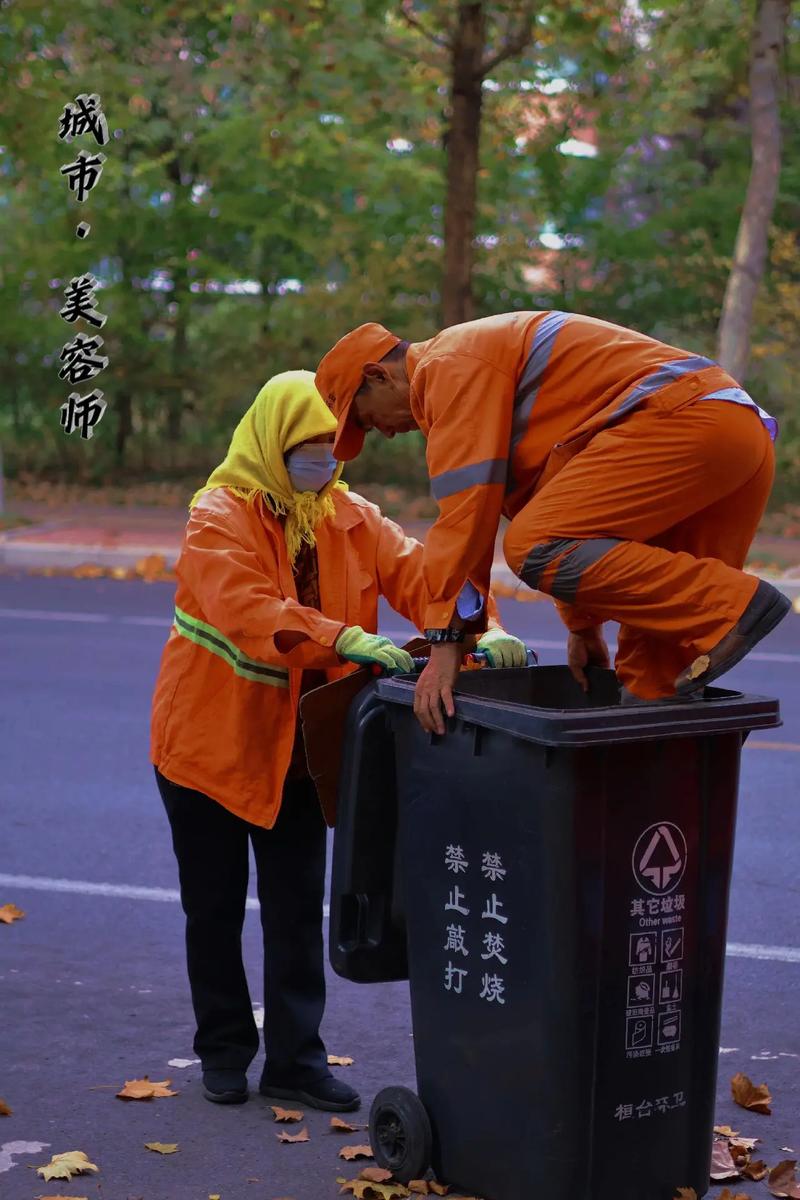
[{"x": 287, "y": 411}]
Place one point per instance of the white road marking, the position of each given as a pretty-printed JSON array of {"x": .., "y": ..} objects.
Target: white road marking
[
  {"x": 39, "y": 614},
  {"x": 125, "y": 891},
  {"x": 9, "y": 1149}
]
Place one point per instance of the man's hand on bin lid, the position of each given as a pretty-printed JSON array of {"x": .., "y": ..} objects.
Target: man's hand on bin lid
[
  {"x": 503, "y": 649},
  {"x": 365, "y": 649},
  {"x": 587, "y": 648},
  {"x": 435, "y": 686}
]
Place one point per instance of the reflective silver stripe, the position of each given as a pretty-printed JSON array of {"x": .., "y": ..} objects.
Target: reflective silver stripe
[
  {"x": 571, "y": 568},
  {"x": 667, "y": 373},
  {"x": 210, "y": 638},
  {"x": 491, "y": 470},
  {"x": 531, "y": 379},
  {"x": 540, "y": 557}
]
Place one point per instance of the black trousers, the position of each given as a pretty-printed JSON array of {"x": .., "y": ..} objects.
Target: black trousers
[{"x": 211, "y": 846}]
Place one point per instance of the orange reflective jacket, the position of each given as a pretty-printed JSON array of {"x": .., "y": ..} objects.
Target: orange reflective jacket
[
  {"x": 504, "y": 402},
  {"x": 225, "y": 705}
]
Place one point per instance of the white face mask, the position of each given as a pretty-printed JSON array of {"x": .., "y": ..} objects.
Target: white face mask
[{"x": 311, "y": 466}]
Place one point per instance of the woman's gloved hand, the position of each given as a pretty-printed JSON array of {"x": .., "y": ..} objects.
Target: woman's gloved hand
[
  {"x": 502, "y": 649},
  {"x": 366, "y": 648}
]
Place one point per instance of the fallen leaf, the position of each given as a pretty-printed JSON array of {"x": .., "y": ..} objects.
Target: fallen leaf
[
  {"x": 5, "y": 1111},
  {"x": 344, "y": 1126},
  {"x": 88, "y": 571},
  {"x": 351, "y": 1152},
  {"x": 748, "y": 1095},
  {"x": 287, "y": 1114},
  {"x": 686, "y": 1194},
  {"x": 335, "y": 1060},
  {"x": 439, "y": 1189},
  {"x": 302, "y": 1136},
  {"x": 363, "y": 1189},
  {"x": 782, "y": 1180},
  {"x": 145, "y": 1089},
  {"x": 375, "y": 1174},
  {"x": 727, "y": 1194},
  {"x": 10, "y": 913},
  {"x": 745, "y": 1143},
  {"x": 151, "y": 567},
  {"x": 64, "y": 1166},
  {"x": 162, "y": 1147},
  {"x": 755, "y": 1170},
  {"x": 429, "y": 1187},
  {"x": 722, "y": 1164}
]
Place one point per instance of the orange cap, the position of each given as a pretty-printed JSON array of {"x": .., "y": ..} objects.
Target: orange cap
[{"x": 340, "y": 374}]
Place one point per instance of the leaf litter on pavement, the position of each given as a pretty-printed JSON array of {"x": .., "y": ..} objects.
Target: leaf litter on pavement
[
  {"x": 351, "y": 1152},
  {"x": 782, "y": 1180},
  {"x": 302, "y": 1136},
  {"x": 10, "y": 913},
  {"x": 162, "y": 1147},
  {"x": 145, "y": 1089},
  {"x": 754, "y": 1097},
  {"x": 5, "y": 1111},
  {"x": 287, "y": 1114},
  {"x": 64, "y": 1166},
  {"x": 338, "y": 1060},
  {"x": 340, "y": 1126}
]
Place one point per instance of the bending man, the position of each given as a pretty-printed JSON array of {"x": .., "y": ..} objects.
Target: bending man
[{"x": 634, "y": 474}]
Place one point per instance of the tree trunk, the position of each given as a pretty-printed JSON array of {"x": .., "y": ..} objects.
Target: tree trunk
[
  {"x": 176, "y": 397},
  {"x": 463, "y": 146},
  {"x": 750, "y": 252}
]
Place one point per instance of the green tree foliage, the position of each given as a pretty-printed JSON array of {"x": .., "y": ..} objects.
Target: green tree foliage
[{"x": 276, "y": 175}]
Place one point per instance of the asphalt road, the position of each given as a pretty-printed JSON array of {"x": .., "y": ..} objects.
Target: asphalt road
[{"x": 92, "y": 987}]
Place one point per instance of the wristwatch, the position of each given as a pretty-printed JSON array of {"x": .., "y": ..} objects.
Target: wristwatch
[{"x": 438, "y": 636}]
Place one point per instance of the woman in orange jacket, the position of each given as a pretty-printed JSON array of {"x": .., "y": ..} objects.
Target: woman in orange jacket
[{"x": 278, "y": 585}]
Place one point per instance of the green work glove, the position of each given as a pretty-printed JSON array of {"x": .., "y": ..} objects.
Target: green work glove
[
  {"x": 365, "y": 648},
  {"x": 503, "y": 650}
]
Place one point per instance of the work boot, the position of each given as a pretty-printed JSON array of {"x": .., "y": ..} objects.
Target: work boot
[
  {"x": 327, "y": 1093},
  {"x": 767, "y": 608},
  {"x": 225, "y": 1086}
]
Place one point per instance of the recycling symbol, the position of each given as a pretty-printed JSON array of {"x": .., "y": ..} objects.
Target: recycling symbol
[{"x": 659, "y": 858}]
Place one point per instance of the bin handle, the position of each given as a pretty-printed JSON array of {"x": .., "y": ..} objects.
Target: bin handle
[{"x": 476, "y": 658}]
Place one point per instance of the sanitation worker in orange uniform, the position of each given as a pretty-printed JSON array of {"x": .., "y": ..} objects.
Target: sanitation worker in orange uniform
[
  {"x": 634, "y": 475},
  {"x": 278, "y": 585}
]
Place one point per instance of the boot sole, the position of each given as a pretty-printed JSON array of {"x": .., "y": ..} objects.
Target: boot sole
[
  {"x": 225, "y": 1097},
  {"x": 780, "y": 607},
  {"x": 306, "y": 1098}
]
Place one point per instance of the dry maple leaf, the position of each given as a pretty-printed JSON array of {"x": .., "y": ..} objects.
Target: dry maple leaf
[
  {"x": 375, "y": 1174},
  {"x": 5, "y": 1111},
  {"x": 722, "y": 1164},
  {"x": 162, "y": 1147},
  {"x": 748, "y": 1095},
  {"x": 145, "y": 1089},
  {"x": 64, "y": 1166},
  {"x": 302, "y": 1136},
  {"x": 336, "y": 1060},
  {"x": 782, "y": 1180},
  {"x": 10, "y": 913},
  {"x": 344, "y": 1126},
  {"x": 287, "y": 1114},
  {"x": 727, "y": 1194},
  {"x": 351, "y": 1152},
  {"x": 755, "y": 1170},
  {"x": 429, "y": 1187},
  {"x": 725, "y": 1131},
  {"x": 363, "y": 1189}
]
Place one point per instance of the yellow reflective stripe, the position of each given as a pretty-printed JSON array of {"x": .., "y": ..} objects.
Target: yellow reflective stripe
[{"x": 209, "y": 638}]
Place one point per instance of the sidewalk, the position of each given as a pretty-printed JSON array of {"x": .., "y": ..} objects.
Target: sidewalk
[{"x": 121, "y": 537}]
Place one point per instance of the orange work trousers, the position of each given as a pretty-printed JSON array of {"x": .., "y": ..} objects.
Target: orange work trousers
[{"x": 649, "y": 525}]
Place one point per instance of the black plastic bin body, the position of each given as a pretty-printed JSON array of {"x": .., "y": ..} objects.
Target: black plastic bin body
[{"x": 562, "y": 869}]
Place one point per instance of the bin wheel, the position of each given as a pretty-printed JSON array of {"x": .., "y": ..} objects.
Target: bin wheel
[{"x": 400, "y": 1133}]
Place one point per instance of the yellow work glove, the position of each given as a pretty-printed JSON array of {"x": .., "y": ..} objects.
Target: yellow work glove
[
  {"x": 366, "y": 648},
  {"x": 502, "y": 649}
]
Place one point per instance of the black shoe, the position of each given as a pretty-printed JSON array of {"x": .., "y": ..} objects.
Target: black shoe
[
  {"x": 225, "y": 1086},
  {"x": 767, "y": 608},
  {"x": 327, "y": 1093}
]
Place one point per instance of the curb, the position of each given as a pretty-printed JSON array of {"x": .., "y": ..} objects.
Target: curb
[{"x": 16, "y": 552}]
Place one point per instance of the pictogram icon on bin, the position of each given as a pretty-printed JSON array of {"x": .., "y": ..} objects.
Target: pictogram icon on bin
[{"x": 659, "y": 858}]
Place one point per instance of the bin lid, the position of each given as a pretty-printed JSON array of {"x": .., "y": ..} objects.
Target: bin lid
[{"x": 546, "y": 705}]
